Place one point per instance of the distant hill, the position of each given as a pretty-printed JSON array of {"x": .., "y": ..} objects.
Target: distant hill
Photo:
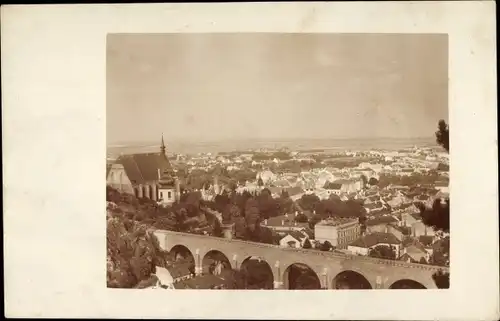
[{"x": 292, "y": 144}]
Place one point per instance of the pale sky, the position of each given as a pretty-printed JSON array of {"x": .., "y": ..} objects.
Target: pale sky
[{"x": 206, "y": 87}]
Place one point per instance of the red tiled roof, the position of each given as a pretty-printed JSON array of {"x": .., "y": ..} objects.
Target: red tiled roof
[
  {"x": 330, "y": 185},
  {"x": 373, "y": 239},
  {"x": 141, "y": 168},
  {"x": 412, "y": 242},
  {"x": 296, "y": 235},
  {"x": 426, "y": 240},
  {"x": 289, "y": 222}
]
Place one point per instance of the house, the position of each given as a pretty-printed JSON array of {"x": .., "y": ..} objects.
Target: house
[
  {"x": 344, "y": 186},
  {"x": 374, "y": 207},
  {"x": 293, "y": 239},
  {"x": 413, "y": 251},
  {"x": 323, "y": 177},
  {"x": 385, "y": 224},
  {"x": 381, "y": 221},
  {"x": 338, "y": 231},
  {"x": 267, "y": 176},
  {"x": 364, "y": 244},
  {"x": 420, "y": 229},
  {"x": 408, "y": 218},
  {"x": 333, "y": 188}
]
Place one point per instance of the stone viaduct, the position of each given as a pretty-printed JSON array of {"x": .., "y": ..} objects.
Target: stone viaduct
[{"x": 379, "y": 273}]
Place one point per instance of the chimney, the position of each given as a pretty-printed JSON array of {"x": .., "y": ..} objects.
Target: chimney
[
  {"x": 296, "y": 213},
  {"x": 159, "y": 174},
  {"x": 282, "y": 222}
]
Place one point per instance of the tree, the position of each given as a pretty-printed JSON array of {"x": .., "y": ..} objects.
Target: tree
[
  {"x": 383, "y": 252},
  {"x": 240, "y": 227},
  {"x": 301, "y": 218},
  {"x": 132, "y": 253},
  {"x": 264, "y": 235},
  {"x": 217, "y": 229},
  {"x": 438, "y": 216},
  {"x": 307, "y": 244},
  {"x": 443, "y": 135},
  {"x": 441, "y": 252},
  {"x": 309, "y": 201},
  {"x": 229, "y": 213},
  {"x": 221, "y": 201},
  {"x": 364, "y": 179},
  {"x": 441, "y": 279},
  {"x": 260, "y": 182},
  {"x": 252, "y": 214},
  {"x": 422, "y": 260},
  {"x": 180, "y": 217},
  {"x": 232, "y": 184},
  {"x": 315, "y": 219},
  {"x": 373, "y": 181}
]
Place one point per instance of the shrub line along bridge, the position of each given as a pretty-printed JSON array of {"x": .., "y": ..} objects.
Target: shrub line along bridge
[{"x": 329, "y": 267}]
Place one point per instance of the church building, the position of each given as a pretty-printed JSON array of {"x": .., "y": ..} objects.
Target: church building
[{"x": 148, "y": 175}]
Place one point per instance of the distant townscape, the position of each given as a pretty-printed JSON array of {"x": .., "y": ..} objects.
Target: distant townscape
[{"x": 280, "y": 218}]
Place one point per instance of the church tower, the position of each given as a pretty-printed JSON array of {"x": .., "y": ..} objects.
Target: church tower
[{"x": 168, "y": 183}]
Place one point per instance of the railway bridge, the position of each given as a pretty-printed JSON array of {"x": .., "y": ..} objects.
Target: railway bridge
[{"x": 329, "y": 267}]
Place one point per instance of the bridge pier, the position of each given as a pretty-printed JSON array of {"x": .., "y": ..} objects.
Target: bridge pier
[
  {"x": 198, "y": 270},
  {"x": 324, "y": 276},
  {"x": 278, "y": 277}
]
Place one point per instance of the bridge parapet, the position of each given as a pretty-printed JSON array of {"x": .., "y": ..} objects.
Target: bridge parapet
[{"x": 341, "y": 256}]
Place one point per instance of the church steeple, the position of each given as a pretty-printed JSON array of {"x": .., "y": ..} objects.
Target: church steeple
[{"x": 162, "y": 148}]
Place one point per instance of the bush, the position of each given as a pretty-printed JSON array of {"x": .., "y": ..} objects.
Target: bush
[
  {"x": 307, "y": 244},
  {"x": 442, "y": 279},
  {"x": 326, "y": 246}
]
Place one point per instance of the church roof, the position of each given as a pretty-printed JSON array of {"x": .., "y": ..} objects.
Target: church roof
[{"x": 141, "y": 168}]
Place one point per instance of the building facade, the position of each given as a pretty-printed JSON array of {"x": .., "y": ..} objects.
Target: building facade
[{"x": 339, "y": 232}]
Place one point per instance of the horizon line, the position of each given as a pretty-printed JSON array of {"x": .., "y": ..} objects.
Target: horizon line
[{"x": 267, "y": 139}]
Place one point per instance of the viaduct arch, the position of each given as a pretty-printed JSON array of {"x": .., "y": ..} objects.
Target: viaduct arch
[{"x": 378, "y": 273}]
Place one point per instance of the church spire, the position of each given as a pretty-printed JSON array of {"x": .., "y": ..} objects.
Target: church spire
[{"x": 162, "y": 148}]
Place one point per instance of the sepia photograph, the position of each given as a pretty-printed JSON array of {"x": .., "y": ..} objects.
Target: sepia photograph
[
  {"x": 300, "y": 148},
  {"x": 285, "y": 161}
]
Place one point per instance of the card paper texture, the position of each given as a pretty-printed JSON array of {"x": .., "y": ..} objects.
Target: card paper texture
[{"x": 263, "y": 160}]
